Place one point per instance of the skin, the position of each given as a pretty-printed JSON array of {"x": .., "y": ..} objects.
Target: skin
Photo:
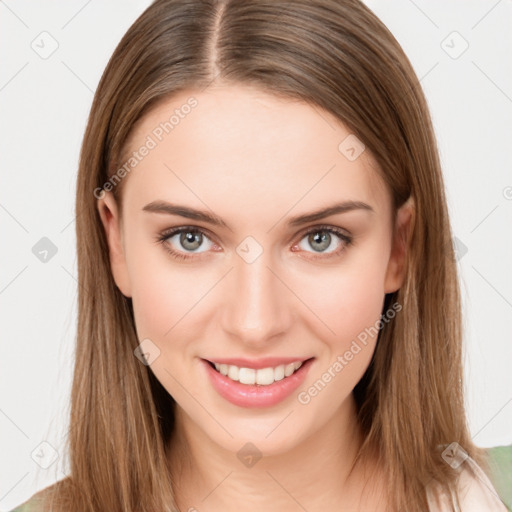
[{"x": 255, "y": 160}]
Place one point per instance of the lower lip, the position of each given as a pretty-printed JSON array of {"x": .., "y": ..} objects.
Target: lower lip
[{"x": 247, "y": 395}]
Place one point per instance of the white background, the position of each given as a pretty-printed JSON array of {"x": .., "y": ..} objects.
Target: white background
[{"x": 44, "y": 106}]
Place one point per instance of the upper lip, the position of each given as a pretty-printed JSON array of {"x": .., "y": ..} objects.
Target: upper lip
[{"x": 264, "y": 362}]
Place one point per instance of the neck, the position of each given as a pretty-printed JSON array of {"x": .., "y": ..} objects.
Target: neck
[{"x": 316, "y": 473}]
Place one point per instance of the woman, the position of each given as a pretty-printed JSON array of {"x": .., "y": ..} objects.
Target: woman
[{"x": 269, "y": 313}]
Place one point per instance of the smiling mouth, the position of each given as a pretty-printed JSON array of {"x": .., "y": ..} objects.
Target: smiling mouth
[{"x": 260, "y": 376}]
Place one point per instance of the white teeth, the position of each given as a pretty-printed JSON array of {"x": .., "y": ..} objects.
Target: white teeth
[
  {"x": 234, "y": 372},
  {"x": 265, "y": 376},
  {"x": 247, "y": 376},
  {"x": 279, "y": 372},
  {"x": 289, "y": 369},
  {"x": 262, "y": 376}
]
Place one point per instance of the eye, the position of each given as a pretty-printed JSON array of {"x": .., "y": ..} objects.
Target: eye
[
  {"x": 187, "y": 239},
  {"x": 323, "y": 238}
]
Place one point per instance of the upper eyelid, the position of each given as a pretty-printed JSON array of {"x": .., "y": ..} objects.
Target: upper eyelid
[
  {"x": 168, "y": 233},
  {"x": 192, "y": 227}
]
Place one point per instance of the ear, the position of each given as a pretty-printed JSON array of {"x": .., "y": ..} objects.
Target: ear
[
  {"x": 111, "y": 220},
  {"x": 395, "y": 272}
]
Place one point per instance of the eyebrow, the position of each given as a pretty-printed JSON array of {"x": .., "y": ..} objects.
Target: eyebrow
[{"x": 160, "y": 206}]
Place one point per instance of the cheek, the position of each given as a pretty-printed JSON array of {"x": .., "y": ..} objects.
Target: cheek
[
  {"x": 163, "y": 294},
  {"x": 348, "y": 298},
  {"x": 356, "y": 305},
  {"x": 351, "y": 306},
  {"x": 349, "y": 301},
  {"x": 164, "y": 303}
]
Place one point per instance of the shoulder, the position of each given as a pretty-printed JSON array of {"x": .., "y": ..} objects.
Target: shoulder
[
  {"x": 36, "y": 502},
  {"x": 500, "y": 465},
  {"x": 476, "y": 492},
  {"x": 33, "y": 504}
]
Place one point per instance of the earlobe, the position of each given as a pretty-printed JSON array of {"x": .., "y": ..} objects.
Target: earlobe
[
  {"x": 395, "y": 274},
  {"x": 111, "y": 220}
]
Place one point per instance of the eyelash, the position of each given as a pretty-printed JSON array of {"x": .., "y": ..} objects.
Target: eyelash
[{"x": 164, "y": 236}]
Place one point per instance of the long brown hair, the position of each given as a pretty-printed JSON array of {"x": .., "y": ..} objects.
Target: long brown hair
[{"x": 333, "y": 54}]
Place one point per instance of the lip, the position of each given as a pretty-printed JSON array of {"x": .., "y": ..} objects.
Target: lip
[
  {"x": 252, "y": 396},
  {"x": 256, "y": 364}
]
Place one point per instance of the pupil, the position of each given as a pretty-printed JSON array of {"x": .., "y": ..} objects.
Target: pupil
[
  {"x": 190, "y": 238},
  {"x": 324, "y": 240}
]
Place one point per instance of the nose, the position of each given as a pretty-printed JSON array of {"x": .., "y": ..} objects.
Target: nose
[{"x": 256, "y": 308}]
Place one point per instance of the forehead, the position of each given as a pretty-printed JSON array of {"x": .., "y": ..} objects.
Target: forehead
[{"x": 242, "y": 147}]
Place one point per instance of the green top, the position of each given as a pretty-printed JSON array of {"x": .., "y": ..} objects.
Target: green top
[
  {"x": 30, "y": 505},
  {"x": 500, "y": 463}
]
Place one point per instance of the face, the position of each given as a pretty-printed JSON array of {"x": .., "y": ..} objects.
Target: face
[{"x": 251, "y": 283}]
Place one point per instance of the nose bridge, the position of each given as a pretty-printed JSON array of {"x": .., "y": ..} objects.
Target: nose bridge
[{"x": 255, "y": 309}]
